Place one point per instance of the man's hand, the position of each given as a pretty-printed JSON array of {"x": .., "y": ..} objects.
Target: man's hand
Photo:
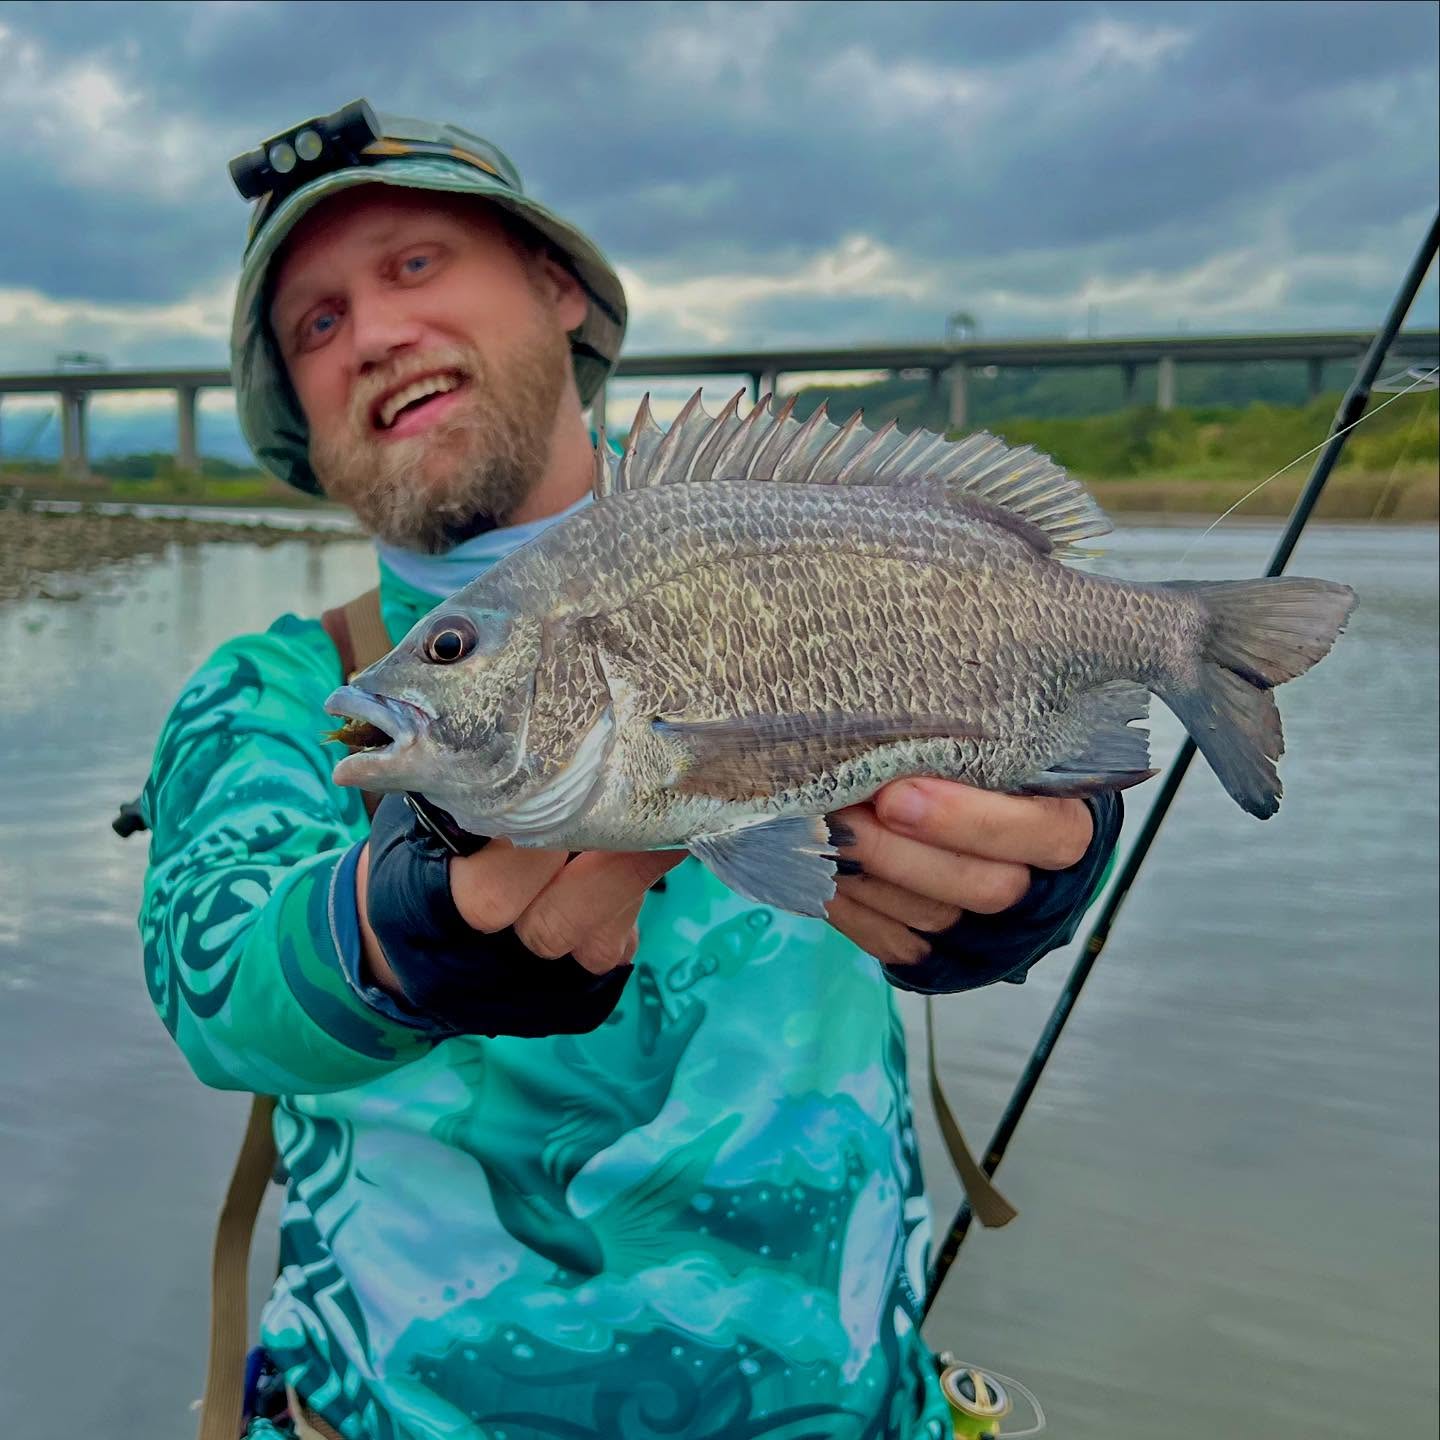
[
  {"x": 585, "y": 908},
  {"x": 930, "y": 850}
]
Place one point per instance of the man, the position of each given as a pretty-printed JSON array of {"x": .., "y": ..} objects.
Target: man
[{"x": 587, "y": 1147}]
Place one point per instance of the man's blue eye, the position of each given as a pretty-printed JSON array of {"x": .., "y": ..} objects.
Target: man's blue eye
[
  {"x": 318, "y": 321},
  {"x": 417, "y": 260}
]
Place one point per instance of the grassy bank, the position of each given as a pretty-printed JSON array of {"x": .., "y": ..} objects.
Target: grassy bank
[
  {"x": 1408, "y": 496},
  {"x": 156, "y": 485}
]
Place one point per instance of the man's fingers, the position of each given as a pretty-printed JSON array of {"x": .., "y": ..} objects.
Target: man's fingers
[
  {"x": 924, "y": 869},
  {"x": 1041, "y": 830},
  {"x": 602, "y": 954},
  {"x": 493, "y": 887},
  {"x": 594, "y": 898},
  {"x": 887, "y": 940},
  {"x": 916, "y": 911}
]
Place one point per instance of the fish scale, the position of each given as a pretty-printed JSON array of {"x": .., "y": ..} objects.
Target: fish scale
[{"x": 760, "y": 621}]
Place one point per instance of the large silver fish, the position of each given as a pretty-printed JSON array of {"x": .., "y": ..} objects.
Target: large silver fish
[{"x": 760, "y": 621}]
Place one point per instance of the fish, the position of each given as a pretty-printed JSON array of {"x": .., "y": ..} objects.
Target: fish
[{"x": 759, "y": 620}]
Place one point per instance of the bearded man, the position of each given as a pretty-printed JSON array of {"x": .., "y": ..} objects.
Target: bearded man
[{"x": 585, "y": 1146}]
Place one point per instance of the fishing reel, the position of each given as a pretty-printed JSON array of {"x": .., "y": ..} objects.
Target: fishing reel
[{"x": 980, "y": 1401}]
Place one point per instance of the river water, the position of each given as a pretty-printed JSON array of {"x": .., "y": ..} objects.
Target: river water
[{"x": 1227, "y": 1178}]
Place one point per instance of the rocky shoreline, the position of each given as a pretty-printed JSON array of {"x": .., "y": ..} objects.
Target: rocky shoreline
[{"x": 42, "y": 550}]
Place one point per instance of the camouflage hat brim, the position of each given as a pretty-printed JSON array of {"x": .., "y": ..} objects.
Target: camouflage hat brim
[{"x": 269, "y": 414}]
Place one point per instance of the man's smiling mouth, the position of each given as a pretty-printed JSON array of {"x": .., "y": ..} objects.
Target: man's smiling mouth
[{"x": 413, "y": 397}]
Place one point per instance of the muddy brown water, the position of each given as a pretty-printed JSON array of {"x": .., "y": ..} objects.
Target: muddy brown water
[{"x": 1227, "y": 1179}]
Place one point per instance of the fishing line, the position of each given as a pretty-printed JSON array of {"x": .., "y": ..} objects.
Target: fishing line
[
  {"x": 1400, "y": 454},
  {"x": 1419, "y": 384}
]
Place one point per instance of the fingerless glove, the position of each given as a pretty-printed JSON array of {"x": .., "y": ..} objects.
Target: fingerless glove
[
  {"x": 981, "y": 949},
  {"x": 456, "y": 979}
]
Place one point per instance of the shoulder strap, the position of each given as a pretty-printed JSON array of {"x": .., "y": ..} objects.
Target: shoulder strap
[
  {"x": 987, "y": 1204},
  {"x": 357, "y": 631},
  {"x": 221, "y": 1410}
]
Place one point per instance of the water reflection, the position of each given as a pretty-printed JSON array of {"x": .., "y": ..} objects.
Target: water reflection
[{"x": 1226, "y": 1179}]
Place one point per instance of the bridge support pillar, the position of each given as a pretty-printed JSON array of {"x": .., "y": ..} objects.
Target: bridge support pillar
[
  {"x": 1314, "y": 375},
  {"x": 74, "y": 454},
  {"x": 597, "y": 409},
  {"x": 959, "y": 396},
  {"x": 1129, "y": 378},
  {"x": 187, "y": 457},
  {"x": 1165, "y": 383},
  {"x": 766, "y": 382}
]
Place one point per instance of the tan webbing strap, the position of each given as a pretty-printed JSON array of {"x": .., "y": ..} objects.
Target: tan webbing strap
[
  {"x": 357, "y": 631},
  {"x": 987, "y": 1204},
  {"x": 220, "y": 1411},
  {"x": 368, "y": 635}
]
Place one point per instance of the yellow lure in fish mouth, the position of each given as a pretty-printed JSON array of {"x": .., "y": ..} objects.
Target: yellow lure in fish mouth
[{"x": 359, "y": 735}]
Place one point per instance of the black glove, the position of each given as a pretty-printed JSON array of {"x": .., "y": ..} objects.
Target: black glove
[
  {"x": 981, "y": 949},
  {"x": 461, "y": 979}
]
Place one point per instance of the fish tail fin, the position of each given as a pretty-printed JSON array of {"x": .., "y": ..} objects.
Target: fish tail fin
[
  {"x": 637, "y": 1228},
  {"x": 1257, "y": 634}
]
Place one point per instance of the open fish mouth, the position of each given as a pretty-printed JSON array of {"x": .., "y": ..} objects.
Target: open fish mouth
[{"x": 377, "y": 728}]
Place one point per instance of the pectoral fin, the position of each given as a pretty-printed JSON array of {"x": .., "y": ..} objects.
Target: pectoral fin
[{"x": 787, "y": 862}]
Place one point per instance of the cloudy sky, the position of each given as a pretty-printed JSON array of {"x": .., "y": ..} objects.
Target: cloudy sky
[{"x": 760, "y": 173}]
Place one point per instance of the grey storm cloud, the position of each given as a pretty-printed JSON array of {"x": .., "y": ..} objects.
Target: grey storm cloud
[{"x": 785, "y": 171}]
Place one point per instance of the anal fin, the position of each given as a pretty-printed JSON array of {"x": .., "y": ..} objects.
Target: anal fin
[
  {"x": 1112, "y": 756},
  {"x": 787, "y": 862}
]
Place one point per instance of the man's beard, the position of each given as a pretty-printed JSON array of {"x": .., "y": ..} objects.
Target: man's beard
[{"x": 465, "y": 472}]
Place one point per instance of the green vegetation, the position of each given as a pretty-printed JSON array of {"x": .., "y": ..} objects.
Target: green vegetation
[
  {"x": 159, "y": 464},
  {"x": 154, "y": 479},
  {"x": 1222, "y": 443}
]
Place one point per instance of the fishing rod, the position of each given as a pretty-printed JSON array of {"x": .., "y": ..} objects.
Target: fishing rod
[{"x": 1350, "y": 410}]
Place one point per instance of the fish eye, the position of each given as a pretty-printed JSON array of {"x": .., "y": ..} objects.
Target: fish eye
[{"x": 449, "y": 639}]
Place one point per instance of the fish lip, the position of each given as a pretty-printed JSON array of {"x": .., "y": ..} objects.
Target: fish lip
[
  {"x": 405, "y": 723},
  {"x": 379, "y": 403}
]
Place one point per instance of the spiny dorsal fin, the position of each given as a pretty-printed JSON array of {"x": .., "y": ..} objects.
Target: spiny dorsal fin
[
  {"x": 766, "y": 446},
  {"x": 604, "y": 482}
]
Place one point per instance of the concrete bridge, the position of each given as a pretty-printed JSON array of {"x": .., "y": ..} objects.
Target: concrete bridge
[{"x": 947, "y": 365}]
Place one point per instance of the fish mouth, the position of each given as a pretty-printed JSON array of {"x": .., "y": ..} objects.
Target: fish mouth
[{"x": 379, "y": 730}]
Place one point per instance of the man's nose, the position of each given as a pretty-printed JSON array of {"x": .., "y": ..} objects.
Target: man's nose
[{"x": 381, "y": 325}]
